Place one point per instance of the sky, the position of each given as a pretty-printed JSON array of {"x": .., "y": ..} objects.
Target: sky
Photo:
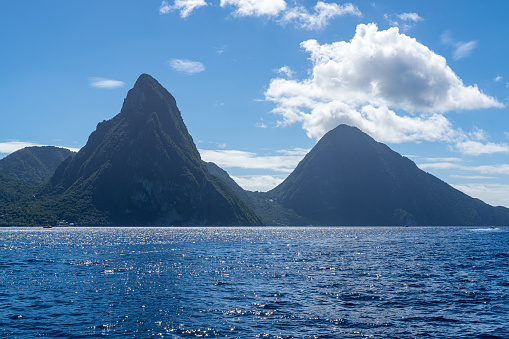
[{"x": 259, "y": 82}]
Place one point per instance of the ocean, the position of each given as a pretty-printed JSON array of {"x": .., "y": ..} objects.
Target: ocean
[{"x": 271, "y": 282}]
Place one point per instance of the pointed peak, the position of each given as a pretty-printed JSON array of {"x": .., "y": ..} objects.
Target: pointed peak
[
  {"x": 146, "y": 81},
  {"x": 145, "y": 78},
  {"x": 147, "y": 90}
]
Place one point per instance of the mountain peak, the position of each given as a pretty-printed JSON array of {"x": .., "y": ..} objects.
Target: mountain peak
[
  {"x": 147, "y": 82},
  {"x": 347, "y": 132},
  {"x": 143, "y": 168},
  {"x": 145, "y": 77},
  {"x": 348, "y": 178},
  {"x": 148, "y": 94}
]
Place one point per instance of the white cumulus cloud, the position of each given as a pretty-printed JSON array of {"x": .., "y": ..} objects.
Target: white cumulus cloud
[
  {"x": 105, "y": 83},
  {"x": 186, "y": 66},
  {"x": 384, "y": 82},
  {"x": 184, "y": 6}
]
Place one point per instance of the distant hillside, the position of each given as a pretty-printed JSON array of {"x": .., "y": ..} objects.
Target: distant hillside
[{"x": 34, "y": 165}]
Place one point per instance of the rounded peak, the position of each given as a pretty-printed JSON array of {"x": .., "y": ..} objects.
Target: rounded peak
[
  {"x": 345, "y": 131},
  {"x": 345, "y": 127}
]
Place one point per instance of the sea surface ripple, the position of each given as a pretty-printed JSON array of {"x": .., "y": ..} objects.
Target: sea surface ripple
[{"x": 373, "y": 282}]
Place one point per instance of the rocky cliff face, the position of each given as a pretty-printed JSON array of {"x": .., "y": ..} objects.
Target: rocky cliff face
[{"x": 142, "y": 168}]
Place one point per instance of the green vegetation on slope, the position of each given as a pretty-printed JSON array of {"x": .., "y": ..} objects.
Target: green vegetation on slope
[{"x": 34, "y": 165}]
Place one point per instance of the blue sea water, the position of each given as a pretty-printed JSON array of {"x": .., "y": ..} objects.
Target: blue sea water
[{"x": 377, "y": 282}]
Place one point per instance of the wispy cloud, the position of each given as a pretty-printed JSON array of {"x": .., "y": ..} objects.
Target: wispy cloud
[
  {"x": 255, "y": 7},
  {"x": 471, "y": 177},
  {"x": 278, "y": 10},
  {"x": 410, "y": 17},
  {"x": 493, "y": 194},
  {"x": 261, "y": 124},
  {"x": 323, "y": 13},
  {"x": 295, "y": 152},
  {"x": 284, "y": 163},
  {"x": 220, "y": 50},
  {"x": 471, "y": 147},
  {"x": 13, "y": 146},
  {"x": 404, "y": 21},
  {"x": 186, "y": 66},
  {"x": 498, "y": 78},
  {"x": 483, "y": 169},
  {"x": 464, "y": 49},
  {"x": 286, "y": 71},
  {"x": 105, "y": 83},
  {"x": 443, "y": 159},
  {"x": 446, "y": 38},
  {"x": 461, "y": 49},
  {"x": 491, "y": 169},
  {"x": 440, "y": 165},
  {"x": 186, "y": 7},
  {"x": 261, "y": 183}
]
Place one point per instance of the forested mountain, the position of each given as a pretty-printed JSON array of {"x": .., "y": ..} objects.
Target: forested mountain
[
  {"x": 350, "y": 179},
  {"x": 142, "y": 168},
  {"x": 139, "y": 168},
  {"x": 34, "y": 165}
]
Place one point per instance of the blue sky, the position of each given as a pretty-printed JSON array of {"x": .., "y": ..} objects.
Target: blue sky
[{"x": 259, "y": 82}]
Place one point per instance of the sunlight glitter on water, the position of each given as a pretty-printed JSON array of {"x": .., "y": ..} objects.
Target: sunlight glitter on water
[{"x": 249, "y": 282}]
